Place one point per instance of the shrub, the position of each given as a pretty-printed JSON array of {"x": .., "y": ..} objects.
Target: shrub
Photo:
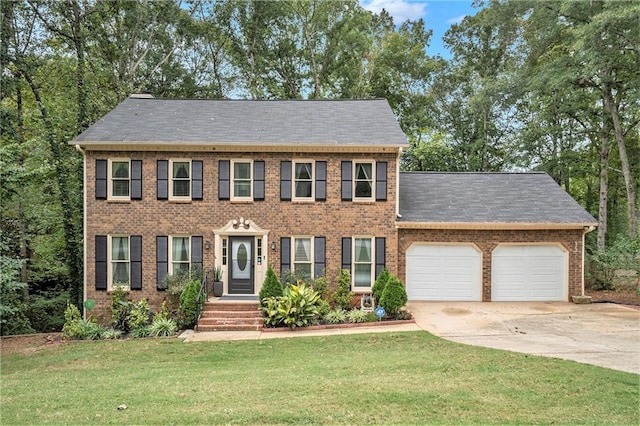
[
  {"x": 602, "y": 266},
  {"x": 13, "y": 319},
  {"x": 163, "y": 327},
  {"x": 120, "y": 309},
  {"x": 271, "y": 287},
  {"x": 139, "y": 332},
  {"x": 164, "y": 313},
  {"x": 323, "y": 307},
  {"x": 320, "y": 285},
  {"x": 290, "y": 277},
  {"x": 297, "y": 307},
  {"x": 92, "y": 330},
  {"x": 112, "y": 333},
  {"x": 343, "y": 294},
  {"x": 175, "y": 285},
  {"x": 46, "y": 311},
  {"x": 394, "y": 296},
  {"x": 378, "y": 286},
  {"x": 337, "y": 316},
  {"x": 357, "y": 315},
  {"x": 139, "y": 315},
  {"x": 72, "y": 329},
  {"x": 189, "y": 304}
]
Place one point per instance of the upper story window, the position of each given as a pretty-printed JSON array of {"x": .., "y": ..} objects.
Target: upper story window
[
  {"x": 119, "y": 184},
  {"x": 242, "y": 181},
  {"x": 303, "y": 180},
  {"x": 118, "y": 179},
  {"x": 179, "y": 179},
  {"x": 364, "y": 180}
]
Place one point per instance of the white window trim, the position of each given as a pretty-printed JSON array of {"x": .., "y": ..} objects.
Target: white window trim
[
  {"x": 110, "y": 195},
  {"x": 110, "y": 285},
  {"x": 372, "y": 263},
  {"x": 373, "y": 180},
  {"x": 293, "y": 180},
  {"x": 179, "y": 160},
  {"x": 170, "y": 257},
  {"x": 232, "y": 196},
  {"x": 311, "y": 254}
]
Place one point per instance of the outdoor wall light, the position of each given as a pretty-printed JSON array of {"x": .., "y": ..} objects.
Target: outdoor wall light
[
  {"x": 207, "y": 245},
  {"x": 273, "y": 245}
]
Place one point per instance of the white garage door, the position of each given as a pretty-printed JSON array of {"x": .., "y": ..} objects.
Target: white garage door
[
  {"x": 444, "y": 272},
  {"x": 528, "y": 273}
]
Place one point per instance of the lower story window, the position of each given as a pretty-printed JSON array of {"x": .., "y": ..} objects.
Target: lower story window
[
  {"x": 120, "y": 263},
  {"x": 362, "y": 263},
  {"x": 180, "y": 254},
  {"x": 303, "y": 257}
]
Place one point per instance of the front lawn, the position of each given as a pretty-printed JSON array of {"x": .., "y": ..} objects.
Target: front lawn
[{"x": 403, "y": 378}]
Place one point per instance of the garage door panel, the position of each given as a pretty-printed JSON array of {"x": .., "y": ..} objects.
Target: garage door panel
[
  {"x": 443, "y": 272},
  {"x": 528, "y": 273}
]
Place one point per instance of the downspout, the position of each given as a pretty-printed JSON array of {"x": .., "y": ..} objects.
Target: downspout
[
  {"x": 84, "y": 228},
  {"x": 585, "y": 231},
  {"x": 398, "y": 183}
]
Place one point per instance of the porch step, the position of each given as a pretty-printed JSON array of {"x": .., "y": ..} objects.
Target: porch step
[{"x": 230, "y": 316}]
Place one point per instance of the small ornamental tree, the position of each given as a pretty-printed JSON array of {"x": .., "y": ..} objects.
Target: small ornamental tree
[
  {"x": 343, "y": 294},
  {"x": 394, "y": 296},
  {"x": 271, "y": 286},
  {"x": 378, "y": 286}
]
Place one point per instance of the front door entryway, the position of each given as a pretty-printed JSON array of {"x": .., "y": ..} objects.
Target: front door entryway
[{"x": 241, "y": 271}]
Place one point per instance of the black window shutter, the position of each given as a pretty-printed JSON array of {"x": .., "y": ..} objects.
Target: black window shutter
[
  {"x": 347, "y": 181},
  {"x": 135, "y": 248},
  {"x": 101, "y": 179},
  {"x": 381, "y": 181},
  {"x": 101, "y": 262},
  {"x": 380, "y": 254},
  {"x": 136, "y": 179},
  {"x": 319, "y": 261},
  {"x": 321, "y": 180},
  {"x": 285, "y": 255},
  {"x": 196, "y": 180},
  {"x": 285, "y": 180},
  {"x": 163, "y": 180},
  {"x": 196, "y": 252},
  {"x": 224, "y": 174},
  {"x": 162, "y": 263},
  {"x": 346, "y": 253},
  {"x": 258, "y": 180}
]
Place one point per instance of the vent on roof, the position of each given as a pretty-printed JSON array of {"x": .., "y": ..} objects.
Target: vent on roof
[{"x": 142, "y": 95}]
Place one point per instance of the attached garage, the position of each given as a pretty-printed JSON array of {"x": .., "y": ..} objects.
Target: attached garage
[
  {"x": 444, "y": 272},
  {"x": 528, "y": 273}
]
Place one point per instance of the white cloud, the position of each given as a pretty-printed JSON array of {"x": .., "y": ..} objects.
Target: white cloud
[
  {"x": 401, "y": 10},
  {"x": 456, "y": 20}
]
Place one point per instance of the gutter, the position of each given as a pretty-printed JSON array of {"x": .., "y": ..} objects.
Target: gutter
[{"x": 493, "y": 225}]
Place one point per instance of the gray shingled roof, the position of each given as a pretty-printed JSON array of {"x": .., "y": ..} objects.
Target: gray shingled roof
[
  {"x": 285, "y": 122},
  {"x": 532, "y": 198}
]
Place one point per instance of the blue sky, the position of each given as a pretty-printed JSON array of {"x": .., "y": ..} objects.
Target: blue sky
[{"x": 438, "y": 15}]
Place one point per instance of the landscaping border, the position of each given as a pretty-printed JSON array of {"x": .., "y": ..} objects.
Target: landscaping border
[{"x": 339, "y": 326}]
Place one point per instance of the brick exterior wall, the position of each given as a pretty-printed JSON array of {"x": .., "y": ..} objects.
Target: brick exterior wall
[
  {"x": 488, "y": 240},
  {"x": 149, "y": 217}
]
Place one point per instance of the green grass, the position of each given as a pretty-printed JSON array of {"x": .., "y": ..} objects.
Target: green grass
[{"x": 402, "y": 378}]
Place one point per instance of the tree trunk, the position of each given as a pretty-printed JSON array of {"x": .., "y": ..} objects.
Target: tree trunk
[
  {"x": 604, "y": 189},
  {"x": 632, "y": 213}
]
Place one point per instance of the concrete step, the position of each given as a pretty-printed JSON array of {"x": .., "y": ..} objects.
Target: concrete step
[
  {"x": 236, "y": 327},
  {"x": 231, "y": 314}
]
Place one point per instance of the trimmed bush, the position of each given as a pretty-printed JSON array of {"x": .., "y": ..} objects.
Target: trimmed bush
[
  {"x": 378, "y": 286},
  {"x": 321, "y": 286},
  {"x": 343, "y": 294},
  {"x": 271, "y": 286},
  {"x": 394, "y": 296},
  {"x": 297, "y": 307},
  {"x": 189, "y": 304}
]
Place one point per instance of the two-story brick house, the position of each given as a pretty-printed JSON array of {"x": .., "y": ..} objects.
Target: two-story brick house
[{"x": 304, "y": 186}]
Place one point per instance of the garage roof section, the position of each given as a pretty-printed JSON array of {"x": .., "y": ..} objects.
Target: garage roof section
[{"x": 436, "y": 200}]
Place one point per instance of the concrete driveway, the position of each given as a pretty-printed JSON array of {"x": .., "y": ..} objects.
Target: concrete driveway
[{"x": 602, "y": 334}]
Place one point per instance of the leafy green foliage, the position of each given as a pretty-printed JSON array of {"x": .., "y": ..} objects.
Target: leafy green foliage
[
  {"x": 271, "y": 286},
  {"x": 175, "y": 285},
  {"x": 189, "y": 304},
  {"x": 139, "y": 315},
  {"x": 13, "y": 319},
  {"x": 378, "y": 286},
  {"x": 163, "y": 327},
  {"x": 357, "y": 316},
  {"x": 77, "y": 328},
  {"x": 46, "y": 311},
  {"x": 343, "y": 295},
  {"x": 321, "y": 286},
  {"x": 336, "y": 316},
  {"x": 394, "y": 296},
  {"x": 120, "y": 309},
  {"x": 603, "y": 266},
  {"x": 297, "y": 307}
]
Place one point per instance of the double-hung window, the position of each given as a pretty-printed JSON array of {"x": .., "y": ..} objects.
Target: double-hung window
[
  {"x": 303, "y": 181},
  {"x": 242, "y": 181},
  {"x": 303, "y": 256},
  {"x": 180, "y": 179},
  {"x": 119, "y": 182},
  {"x": 363, "y": 179},
  {"x": 120, "y": 263},
  {"x": 363, "y": 266},
  {"x": 180, "y": 254}
]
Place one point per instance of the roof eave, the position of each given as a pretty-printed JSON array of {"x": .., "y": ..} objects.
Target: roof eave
[{"x": 515, "y": 226}]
